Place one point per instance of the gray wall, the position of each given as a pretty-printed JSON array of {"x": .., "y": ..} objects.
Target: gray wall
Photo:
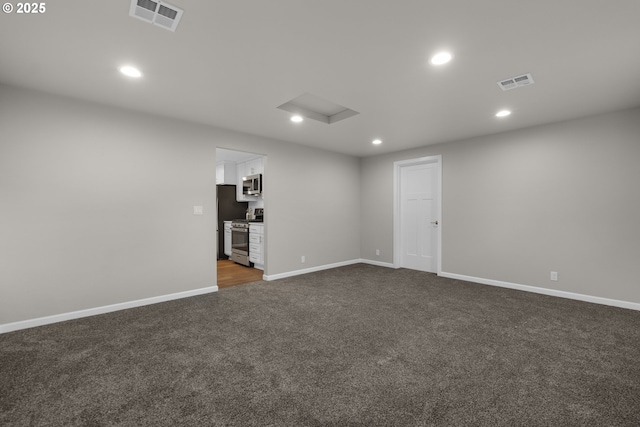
[
  {"x": 96, "y": 205},
  {"x": 517, "y": 205}
]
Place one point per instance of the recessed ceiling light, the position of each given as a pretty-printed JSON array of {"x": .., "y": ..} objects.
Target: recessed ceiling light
[
  {"x": 441, "y": 58},
  {"x": 297, "y": 119},
  {"x": 503, "y": 113},
  {"x": 130, "y": 71},
  {"x": 376, "y": 142}
]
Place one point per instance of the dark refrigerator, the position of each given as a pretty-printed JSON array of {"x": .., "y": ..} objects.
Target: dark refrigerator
[{"x": 228, "y": 209}]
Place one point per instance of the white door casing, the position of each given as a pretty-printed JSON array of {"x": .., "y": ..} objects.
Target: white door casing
[{"x": 417, "y": 214}]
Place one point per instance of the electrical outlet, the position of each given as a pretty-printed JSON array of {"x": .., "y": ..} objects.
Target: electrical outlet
[
  {"x": 554, "y": 276},
  {"x": 302, "y": 259},
  {"x": 378, "y": 252}
]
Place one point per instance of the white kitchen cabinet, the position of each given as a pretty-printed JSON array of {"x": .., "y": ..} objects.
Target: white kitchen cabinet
[
  {"x": 254, "y": 166},
  {"x": 256, "y": 245},
  {"x": 240, "y": 172},
  {"x": 250, "y": 167},
  {"x": 226, "y": 173},
  {"x": 227, "y": 238}
]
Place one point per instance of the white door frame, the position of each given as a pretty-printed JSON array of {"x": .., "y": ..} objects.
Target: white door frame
[{"x": 397, "y": 167}]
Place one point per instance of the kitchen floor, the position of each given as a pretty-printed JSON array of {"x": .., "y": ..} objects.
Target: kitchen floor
[{"x": 232, "y": 274}]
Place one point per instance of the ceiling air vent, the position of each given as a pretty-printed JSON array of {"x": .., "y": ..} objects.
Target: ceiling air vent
[
  {"x": 514, "y": 82},
  {"x": 156, "y": 12}
]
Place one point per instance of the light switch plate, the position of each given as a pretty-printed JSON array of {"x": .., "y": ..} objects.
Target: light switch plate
[{"x": 198, "y": 210}]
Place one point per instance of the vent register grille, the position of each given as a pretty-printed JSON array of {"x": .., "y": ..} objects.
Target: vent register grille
[
  {"x": 515, "y": 82},
  {"x": 156, "y": 12}
]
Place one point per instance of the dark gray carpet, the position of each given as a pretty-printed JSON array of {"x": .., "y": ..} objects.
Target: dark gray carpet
[{"x": 354, "y": 346}]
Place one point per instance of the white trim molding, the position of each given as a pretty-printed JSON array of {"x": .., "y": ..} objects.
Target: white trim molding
[
  {"x": 325, "y": 267},
  {"x": 41, "y": 321},
  {"x": 309, "y": 270},
  {"x": 544, "y": 291},
  {"x": 378, "y": 263}
]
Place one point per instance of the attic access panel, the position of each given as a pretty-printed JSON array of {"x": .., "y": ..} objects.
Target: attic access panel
[
  {"x": 156, "y": 12},
  {"x": 316, "y": 108}
]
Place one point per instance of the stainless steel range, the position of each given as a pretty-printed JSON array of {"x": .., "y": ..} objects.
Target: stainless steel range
[
  {"x": 240, "y": 242},
  {"x": 240, "y": 236}
]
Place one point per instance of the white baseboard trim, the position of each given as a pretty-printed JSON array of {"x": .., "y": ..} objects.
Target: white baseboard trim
[
  {"x": 378, "y": 263},
  {"x": 32, "y": 323},
  {"x": 551, "y": 292},
  {"x": 41, "y": 321},
  {"x": 309, "y": 270},
  {"x": 325, "y": 267}
]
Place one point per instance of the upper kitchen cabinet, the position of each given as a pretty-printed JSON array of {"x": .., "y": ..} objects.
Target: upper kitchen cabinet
[
  {"x": 254, "y": 166},
  {"x": 226, "y": 173},
  {"x": 250, "y": 167}
]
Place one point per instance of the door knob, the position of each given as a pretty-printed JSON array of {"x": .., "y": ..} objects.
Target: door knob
[{"x": 434, "y": 222}]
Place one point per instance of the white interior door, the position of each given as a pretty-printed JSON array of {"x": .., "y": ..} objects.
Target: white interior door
[{"x": 419, "y": 222}]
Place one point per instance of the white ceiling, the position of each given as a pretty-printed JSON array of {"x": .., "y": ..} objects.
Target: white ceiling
[{"x": 231, "y": 63}]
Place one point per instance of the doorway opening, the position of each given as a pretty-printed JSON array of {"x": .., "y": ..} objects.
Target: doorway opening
[
  {"x": 417, "y": 214},
  {"x": 240, "y": 256}
]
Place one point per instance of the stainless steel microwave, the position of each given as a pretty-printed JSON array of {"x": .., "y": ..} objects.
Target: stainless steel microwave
[{"x": 252, "y": 185}]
